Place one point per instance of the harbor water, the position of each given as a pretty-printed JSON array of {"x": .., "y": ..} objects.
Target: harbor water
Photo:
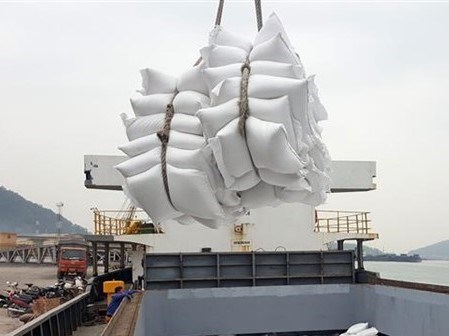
[{"x": 428, "y": 271}]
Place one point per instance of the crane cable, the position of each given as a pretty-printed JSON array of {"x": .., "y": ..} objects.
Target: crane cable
[
  {"x": 164, "y": 134},
  {"x": 257, "y": 5}
]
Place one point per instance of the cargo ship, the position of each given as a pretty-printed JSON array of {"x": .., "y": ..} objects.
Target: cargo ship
[
  {"x": 270, "y": 272},
  {"x": 263, "y": 276},
  {"x": 415, "y": 258}
]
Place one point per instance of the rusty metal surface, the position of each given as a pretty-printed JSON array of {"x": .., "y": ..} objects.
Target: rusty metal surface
[{"x": 373, "y": 279}]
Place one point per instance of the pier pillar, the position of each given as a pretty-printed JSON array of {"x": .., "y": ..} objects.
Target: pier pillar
[
  {"x": 122, "y": 255},
  {"x": 94, "y": 258},
  {"x": 360, "y": 254},
  {"x": 340, "y": 245},
  {"x": 106, "y": 257}
]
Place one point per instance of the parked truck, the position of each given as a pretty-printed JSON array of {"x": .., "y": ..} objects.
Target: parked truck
[{"x": 72, "y": 259}]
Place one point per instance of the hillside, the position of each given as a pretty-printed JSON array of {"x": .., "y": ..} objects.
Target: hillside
[
  {"x": 438, "y": 251},
  {"x": 20, "y": 215}
]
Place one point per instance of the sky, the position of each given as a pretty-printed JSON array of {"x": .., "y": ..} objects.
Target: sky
[{"x": 67, "y": 70}]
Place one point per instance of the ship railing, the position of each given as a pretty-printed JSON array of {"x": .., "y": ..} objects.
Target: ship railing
[
  {"x": 120, "y": 222},
  {"x": 62, "y": 320},
  {"x": 336, "y": 221}
]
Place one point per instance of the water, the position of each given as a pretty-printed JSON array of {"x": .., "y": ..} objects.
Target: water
[{"x": 428, "y": 271}]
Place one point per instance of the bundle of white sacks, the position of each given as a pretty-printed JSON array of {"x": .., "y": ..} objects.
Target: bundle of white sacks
[
  {"x": 196, "y": 188},
  {"x": 214, "y": 173},
  {"x": 282, "y": 158}
]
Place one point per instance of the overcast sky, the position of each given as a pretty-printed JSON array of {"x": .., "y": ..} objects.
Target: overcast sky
[{"x": 67, "y": 71}]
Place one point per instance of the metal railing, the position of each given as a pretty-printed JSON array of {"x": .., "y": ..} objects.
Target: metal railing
[
  {"x": 334, "y": 221},
  {"x": 29, "y": 254},
  {"x": 60, "y": 321},
  {"x": 66, "y": 318},
  {"x": 121, "y": 222}
]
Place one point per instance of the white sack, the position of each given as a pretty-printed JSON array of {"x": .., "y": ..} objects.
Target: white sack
[
  {"x": 220, "y": 36},
  {"x": 191, "y": 80},
  {"x": 151, "y": 104},
  {"x": 356, "y": 328},
  {"x": 189, "y": 102},
  {"x": 213, "y": 76},
  {"x": 143, "y": 126},
  {"x": 277, "y": 179},
  {"x": 191, "y": 193},
  {"x": 302, "y": 196},
  {"x": 303, "y": 106},
  {"x": 148, "y": 189},
  {"x": 154, "y": 81},
  {"x": 215, "y": 118},
  {"x": 269, "y": 147},
  {"x": 315, "y": 105},
  {"x": 276, "y": 110},
  {"x": 140, "y": 145},
  {"x": 233, "y": 159},
  {"x": 275, "y": 50},
  {"x": 259, "y": 196},
  {"x": 215, "y": 55},
  {"x": 272, "y": 27},
  {"x": 177, "y": 139},
  {"x": 176, "y": 157},
  {"x": 266, "y": 87},
  {"x": 368, "y": 332},
  {"x": 140, "y": 163}
]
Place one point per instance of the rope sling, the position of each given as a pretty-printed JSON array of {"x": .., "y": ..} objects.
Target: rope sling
[{"x": 164, "y": 134}]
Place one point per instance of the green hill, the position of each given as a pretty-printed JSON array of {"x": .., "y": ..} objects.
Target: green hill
[
  {"x": 437, "y": 251},
  {"x": 20, "y": 215}
]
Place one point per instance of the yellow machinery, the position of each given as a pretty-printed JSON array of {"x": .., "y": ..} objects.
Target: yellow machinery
[
  {"x": 109, "y": 222},
  {"x": 123, "y": 222},
  {"x": 110, "y": 286}
]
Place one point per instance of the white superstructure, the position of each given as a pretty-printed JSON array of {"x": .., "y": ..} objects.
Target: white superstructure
[{"x": 289, "y": 226}]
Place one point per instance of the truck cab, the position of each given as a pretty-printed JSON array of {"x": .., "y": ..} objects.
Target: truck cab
[{"x": 72, "y": 259}]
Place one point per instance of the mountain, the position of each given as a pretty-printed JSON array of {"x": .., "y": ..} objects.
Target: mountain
[
  {"x": 437, "y": 251},
  {"x": 20, "y": 215}
]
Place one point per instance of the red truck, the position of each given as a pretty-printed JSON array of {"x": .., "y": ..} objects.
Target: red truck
[{"x": 71, "y": 259}]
